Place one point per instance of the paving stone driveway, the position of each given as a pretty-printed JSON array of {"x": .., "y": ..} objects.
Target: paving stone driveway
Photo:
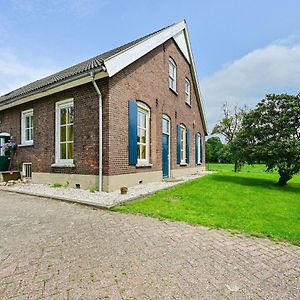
[{"x": 56, "y": 250}]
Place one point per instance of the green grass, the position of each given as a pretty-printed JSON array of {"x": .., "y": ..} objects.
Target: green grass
[{"x": 248, "y": 202}]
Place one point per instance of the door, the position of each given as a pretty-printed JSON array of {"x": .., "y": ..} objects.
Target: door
[
  {"x": 166, "y": 147},
  {"x": 2, "y": 141}
]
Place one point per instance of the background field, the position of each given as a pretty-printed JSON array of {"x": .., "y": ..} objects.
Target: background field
[{"x": 248, "y": 202}]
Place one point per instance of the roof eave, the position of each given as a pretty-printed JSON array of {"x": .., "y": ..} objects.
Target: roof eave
[{"x": 54, "y": 88}]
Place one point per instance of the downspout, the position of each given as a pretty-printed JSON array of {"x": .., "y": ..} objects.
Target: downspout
[{"x": 100, "y": 184}]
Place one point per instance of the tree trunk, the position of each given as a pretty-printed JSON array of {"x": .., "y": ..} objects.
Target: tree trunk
[
  {"x": 237, "y": 167},
  {"x": 284, "y": 178}
]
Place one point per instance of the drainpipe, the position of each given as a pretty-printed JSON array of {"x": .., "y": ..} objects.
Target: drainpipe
[{"x": 100, "y": 131}]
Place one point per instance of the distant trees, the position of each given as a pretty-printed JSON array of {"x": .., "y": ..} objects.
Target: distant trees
[
  {"x": 231, "y": 123},
  {"x": 271, "y": 133},
  {"x": 229, "y": 126},
  {"x": 217, "y": 152}
]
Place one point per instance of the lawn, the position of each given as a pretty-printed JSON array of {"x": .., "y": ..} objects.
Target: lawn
[{"x": 247, "y": 202}]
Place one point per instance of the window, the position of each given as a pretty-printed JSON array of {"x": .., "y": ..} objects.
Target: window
[
  {"x": 65, "y": 131},
  {"x": 166, "y": 124},
  {"x": 27, "y": 127},
  {"x": 143, "y": 133},
  {"x": 2, "y": 142},
  {"x": 182, "y": 144},
  {"x": 172, "y": 75},
  {"x": 198, "y": 149},
  {"x": 187, "y": 89},
  {"x": 27, "y": 170}
]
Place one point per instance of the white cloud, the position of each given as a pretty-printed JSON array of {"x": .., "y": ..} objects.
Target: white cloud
[
  {"x": 245, "y": 81},
  {"x": 15, "y": 73}
]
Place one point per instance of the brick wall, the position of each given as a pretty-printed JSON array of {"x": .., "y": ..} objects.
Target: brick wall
[
  {"x": 147, "y": 80},
  {"x": 86, "y": 130}
]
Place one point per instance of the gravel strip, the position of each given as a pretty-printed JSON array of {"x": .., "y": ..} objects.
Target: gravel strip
[{"x": 100, "y": 199}]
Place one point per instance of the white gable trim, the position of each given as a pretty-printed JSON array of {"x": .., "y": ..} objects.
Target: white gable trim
[
  {"x": 181, "y": 42},
  {"x": 179, "y": 33},
  {"x": 116, "y": 63}
]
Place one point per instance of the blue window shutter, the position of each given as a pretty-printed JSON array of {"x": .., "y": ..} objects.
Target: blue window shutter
[
  {"x": 201, "y": 149},
  {"x": 132, "y": 132},
  {"x": 187, "y": 146},
  {"x": 196, "y": 148},
  {"x": 178, "y": 144}
]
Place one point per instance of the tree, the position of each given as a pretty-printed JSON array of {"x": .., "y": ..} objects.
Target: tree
[
  {"x": 271, "y": 133},
  {"x": 230, "y": 125},
  {"x": 214, "y": 149},
  {"x": 217, "y": 152}
]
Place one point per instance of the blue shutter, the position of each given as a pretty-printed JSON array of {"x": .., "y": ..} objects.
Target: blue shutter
[
  {"x": 196, "y": 148},
  {"x": 178, "y": 144},
  {"x": 201, "y": 154},
  {"x": 187, "y": 146},
  {"x": 132, "y": 132}
]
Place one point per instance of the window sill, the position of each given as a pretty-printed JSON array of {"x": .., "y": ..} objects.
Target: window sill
[
  {"x": 198, "y": 164},
  {"x": 26, "y": 145},
  {"x": 183, "y": 164},
  {"x": 188, "y": 104},
  {"x": 173, "y": 91},
  {"x": 143, "y": 165},
  {"x": 63, "y": 165}
]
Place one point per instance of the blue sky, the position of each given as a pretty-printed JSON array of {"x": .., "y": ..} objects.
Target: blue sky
[{"x": 243, "y": 49}]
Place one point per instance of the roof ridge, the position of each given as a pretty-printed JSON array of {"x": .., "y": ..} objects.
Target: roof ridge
[{"x": 79, "y": 68}]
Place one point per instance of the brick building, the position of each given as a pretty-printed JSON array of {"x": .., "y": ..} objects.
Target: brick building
[{"x": 141, "y": 101}]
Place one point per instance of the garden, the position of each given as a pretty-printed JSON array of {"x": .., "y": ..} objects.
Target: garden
[{"x": 248, "y": 202}]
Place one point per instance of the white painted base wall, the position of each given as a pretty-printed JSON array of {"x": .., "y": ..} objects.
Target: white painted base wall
[{"x": 110, "y": 183}]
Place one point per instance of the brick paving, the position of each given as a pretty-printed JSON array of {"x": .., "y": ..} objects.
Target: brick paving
[{"x": 55, "y": 250}]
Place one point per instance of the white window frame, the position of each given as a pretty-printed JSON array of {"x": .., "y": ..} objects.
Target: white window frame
[
  {"x": 25, "y": 114},
  {"x": 144, "y": 109},
  {"x": 2, "y": 142},
  {"x": 27, "y": 167},
  {"x": 187, "y": 91},
  {"x": 58, "y": 107},
  {"x": 172, "y": 78},
  {"x": 199, "y": 137},
  {"x": 182, "y": 144}
]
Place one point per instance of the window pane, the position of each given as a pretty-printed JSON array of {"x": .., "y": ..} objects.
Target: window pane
[
  {"x": 70, "y": 115},
  {"x": 142, "y": 119},
  {"x": 171, "y": 69},
  {"x": 31, "y": 121},
  {"x": 70, "y": 133},
  {"x": 165, "y": 126},
  {"x": 63, "y": 116},
  {"x": 27, "y": 122},
  {"x": 62, "y": 133},
  {"x": 63, "y": 151},
  {"x": 141, "y": 136},
  {"x": 30, "y": 134},
  {"x": 27, "y": 134},
  {"x": 143, "y": 151},
  {"x": 171, "y": 83},
  {"x": 70, "y": 150}
]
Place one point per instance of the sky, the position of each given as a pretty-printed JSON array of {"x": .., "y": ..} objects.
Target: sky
[{"x": 243, "y": 49}]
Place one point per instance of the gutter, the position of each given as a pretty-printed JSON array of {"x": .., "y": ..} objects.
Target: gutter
[
  {"x": 49, "y": 86},
  {"x": 100, "y": 179}
]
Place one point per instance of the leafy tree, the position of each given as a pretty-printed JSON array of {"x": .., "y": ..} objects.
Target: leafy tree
[
  {"x": 214, "y": 149},
  {"x": 229, "y": 126},
  {"x": 271, "y": 133},
  {"x": 217, "y": 152}
]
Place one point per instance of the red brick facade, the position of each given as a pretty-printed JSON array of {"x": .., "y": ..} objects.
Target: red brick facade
[{"x": 145, "y": 80}]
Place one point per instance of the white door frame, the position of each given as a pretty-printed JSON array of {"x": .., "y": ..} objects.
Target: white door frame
[{"x": 167, "y": 118}]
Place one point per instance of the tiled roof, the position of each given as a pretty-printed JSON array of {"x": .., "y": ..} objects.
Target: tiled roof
[{"x": 81, "y": 68}]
